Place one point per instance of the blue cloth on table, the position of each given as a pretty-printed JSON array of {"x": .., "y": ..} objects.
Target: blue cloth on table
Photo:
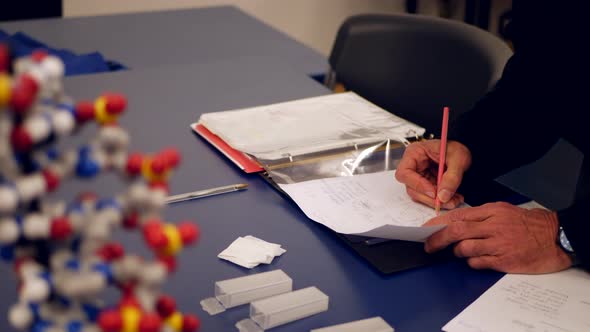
[{"x": 75, "y": 64}]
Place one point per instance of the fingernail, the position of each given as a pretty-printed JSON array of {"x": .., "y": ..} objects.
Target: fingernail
[
  {"x": 445, "y": 195},
  {"x": 430, "y": 194},
  {"x": 426, "y": 247}
]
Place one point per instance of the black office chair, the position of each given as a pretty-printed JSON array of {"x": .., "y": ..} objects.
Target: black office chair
[{"x": 413, "y": 65}]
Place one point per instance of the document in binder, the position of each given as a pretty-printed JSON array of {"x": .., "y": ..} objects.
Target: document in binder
[{"x": 301, "y": 127}]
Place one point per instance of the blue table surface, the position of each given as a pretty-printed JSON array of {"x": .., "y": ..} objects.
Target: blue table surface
[
  {"x": 162, "y": 104},
  {"x": 175, "y": 37}
]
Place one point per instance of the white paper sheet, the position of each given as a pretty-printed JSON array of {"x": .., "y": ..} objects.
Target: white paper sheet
[
  {"x": 329, "y": 122},
  {"x": 557, "y": 302},
  {"x": 373, "y": 205}
]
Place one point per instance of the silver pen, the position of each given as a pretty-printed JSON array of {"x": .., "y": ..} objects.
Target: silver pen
[{"x": 205, "y": 193}]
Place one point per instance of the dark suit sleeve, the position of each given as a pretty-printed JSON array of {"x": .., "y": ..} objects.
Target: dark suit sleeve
[
  {"x": 574, "y": 221},
  {"x": 514, "y": 124},
  {"x": 510, "y": 126}
]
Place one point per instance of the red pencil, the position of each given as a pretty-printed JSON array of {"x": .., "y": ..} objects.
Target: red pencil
[{"x": 441, "y": 160}]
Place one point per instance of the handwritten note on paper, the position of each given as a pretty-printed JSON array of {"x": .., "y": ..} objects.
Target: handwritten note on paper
[
  {"x": 368, "y": 204},
  {"x": 557, "y": 302}
]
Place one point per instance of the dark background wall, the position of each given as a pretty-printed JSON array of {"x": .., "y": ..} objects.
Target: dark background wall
[{"x": 26, "y": 9}]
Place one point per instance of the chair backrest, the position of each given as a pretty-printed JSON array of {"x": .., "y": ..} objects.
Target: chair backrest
[{"x": 413, "y": 65}]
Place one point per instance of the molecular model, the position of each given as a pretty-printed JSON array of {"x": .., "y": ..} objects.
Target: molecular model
[{"x": 63, "y": 254}]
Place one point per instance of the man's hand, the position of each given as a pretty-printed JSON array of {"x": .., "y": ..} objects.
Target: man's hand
[
  {"x": 502, "y": 237},
  {"x": 418, "y": 170}
]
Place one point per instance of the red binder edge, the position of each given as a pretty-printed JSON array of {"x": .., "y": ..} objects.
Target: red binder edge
[{"x": 242, "y": 160}]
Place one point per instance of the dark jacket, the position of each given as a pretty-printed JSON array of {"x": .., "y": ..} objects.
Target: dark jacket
[{"x": 543, "y": 95}]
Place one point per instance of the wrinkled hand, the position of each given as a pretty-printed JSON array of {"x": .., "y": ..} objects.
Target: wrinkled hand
[
  {"x": 418, "y": 170},
  {"x": 502, "y": 237}
]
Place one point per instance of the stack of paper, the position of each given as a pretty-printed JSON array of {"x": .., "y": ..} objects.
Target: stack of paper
[
  {"x": 249, "y": 251},
  {"x": 305, "y": 126}
]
